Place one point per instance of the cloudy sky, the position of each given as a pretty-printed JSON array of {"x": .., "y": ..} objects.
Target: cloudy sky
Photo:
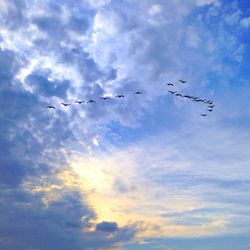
[{"x": 140, "y": 172}]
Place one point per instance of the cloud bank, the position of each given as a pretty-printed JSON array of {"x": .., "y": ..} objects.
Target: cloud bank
[{"x": 66, "y": 51}]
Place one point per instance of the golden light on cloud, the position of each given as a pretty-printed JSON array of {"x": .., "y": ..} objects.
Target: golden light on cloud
[
  {"x": 120, "y": 193},
  {"x": 116, "y": 187}
]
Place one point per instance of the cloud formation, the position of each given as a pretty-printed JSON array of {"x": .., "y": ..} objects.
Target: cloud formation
[
  {"x": 245, "y": 22},
  {"x": 66, "y": 51}
]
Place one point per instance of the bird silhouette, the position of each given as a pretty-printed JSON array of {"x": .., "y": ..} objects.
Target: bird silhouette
[
  {"x": 79, "y": 102},
  {"x": 209, "y": 102},
  {"x": 210, "y": 105},
  {"x": 51, "y": 107},
  {"x": 182, "y": 81},
  {"x": 105, "y": 97},
  {"x": 65, "y": 104}
]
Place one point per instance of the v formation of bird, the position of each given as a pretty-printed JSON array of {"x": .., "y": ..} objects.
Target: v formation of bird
[{"x": 195, "y": 99}]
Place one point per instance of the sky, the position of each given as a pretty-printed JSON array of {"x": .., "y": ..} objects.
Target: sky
[{"x": 142, "y": 172}]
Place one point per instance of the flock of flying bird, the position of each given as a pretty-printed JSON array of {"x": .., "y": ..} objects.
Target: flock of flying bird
[
  {"x": 92, "y": 101},
  {"x": 209, "y": 103},
  {"x": 196, "y": 99}
]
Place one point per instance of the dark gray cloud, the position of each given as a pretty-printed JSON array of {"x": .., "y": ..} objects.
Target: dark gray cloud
[
  {"x": 108, "y": 227},
  {"x": 29, "y": 130},
  {"x": 28, "y": 224}
]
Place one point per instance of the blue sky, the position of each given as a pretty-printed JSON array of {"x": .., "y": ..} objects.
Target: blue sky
[{"x": 139, "y": 172}]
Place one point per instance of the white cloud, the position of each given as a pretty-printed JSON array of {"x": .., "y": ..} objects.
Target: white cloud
[
  {"x": 238, "y": 54},
  {"x": 3, "y": 5},
  {"x": 233, "y": 18},
  {"x": 245, "y": 22},
  {"x": 192, "y": 37},
  {"x": 155, "y": 9},
  {"x": 182, "y": 179},
  {"x": 98, "y": 3},
  {"x": 208, "y": 2}
]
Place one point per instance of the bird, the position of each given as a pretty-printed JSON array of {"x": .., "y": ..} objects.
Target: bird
[
  {"x": 209, "y": 110},
  {"x": 182, "y": 81},
  {"x": 51, "y": 107},
  {"x": 91, "y": 101},
  {"x": 138, "y": 93},
  {"x": 120, "y": 96},
  {"x": 172, "y": 92},
  {"x": 65, "y": 104},
  {"x": 105, "y": 97},
  {"x": 178, "y": 94},
  {"x": 209, "y": 102},
  {"x": 170, "y": 84},
  {"x": 79, "y": 102},
  {"x": 211, "y": 106},
  {"x": 203, "y": 114},
  {"x": 187, "y": 96},
  {"x": 197, "y": 100}
]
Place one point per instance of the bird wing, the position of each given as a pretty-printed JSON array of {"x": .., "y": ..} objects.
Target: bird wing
[{"x": 182, "y": 81}]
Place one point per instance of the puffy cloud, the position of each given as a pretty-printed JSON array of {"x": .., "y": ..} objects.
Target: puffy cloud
[
  {"x": 155, "y": 9},
  {"x": 98, "y": 3},
  {"x": 65, "y": 223},
  {"x": 57, "y": 52},
  {"x": 245, "y": 22},
  {"x": 108, "y": 227}
]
